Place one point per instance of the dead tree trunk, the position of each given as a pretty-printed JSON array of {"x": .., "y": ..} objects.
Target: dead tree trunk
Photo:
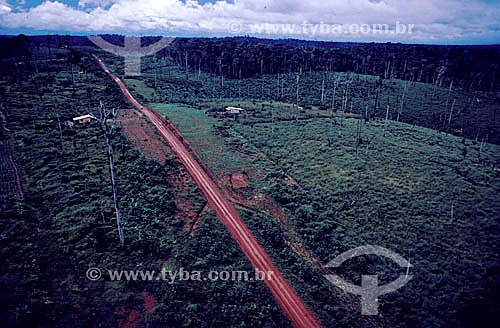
[
  {"x": 473, "y": 101},
  {"x": 386, "y": 119},
  {"x": 279, "y": 84},
  {"x": 449, "y": 93},
  {"x": 73, "y": 76},
  {"x": 358, "y": 135},
  {"x": 262, "y": 87},
  {"x": 340, "y": 125},
  {"x": 297, "y": 101},
  {"x": 323, "y": 90},
  {"x": 156, "y": 79},
  {"x": 221, "y": 74},
  {"x": 60, "y": 131},
  {"x": 402, "y": 101},
  {"x": 272, "y": 120},
  {"x": 376, "y": 99},
  {"x": 481, "y": 147},
  {"x": 451, "y": 112},
  {"x": 103, "y": 116},
  {"x": 334, "y": 94},
  {"x": 333, "y": 98},
  {"x": 344, "y": 105}
]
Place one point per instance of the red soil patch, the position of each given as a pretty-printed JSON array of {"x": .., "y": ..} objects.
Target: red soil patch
[
  {"x": 235, "y": 188},
  {"x": 188, "y": 215},
  {"x": 239, "y": 180},
  {"x": 149, "y": 302},
  {"x": 160, "y": 261},
  {"x": 142, "y": 135},
  {"x": 131, "y": 318}
]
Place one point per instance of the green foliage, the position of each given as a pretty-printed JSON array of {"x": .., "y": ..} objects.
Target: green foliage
[
  {"x": 399, "y": 193},
  {"x": 66, "y": 223}
]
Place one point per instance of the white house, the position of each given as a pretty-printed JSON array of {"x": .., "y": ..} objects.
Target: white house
[
  {"x": 233, "y": 110},
  {"x": 83, "y": 119}
]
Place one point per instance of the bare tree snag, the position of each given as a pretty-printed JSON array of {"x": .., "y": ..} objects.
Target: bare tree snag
[
  {"x": 449, "y": 93},
  {"x": 386, "y": 119},
  {"x": 279, "y": 84},
  {"x": 297, "y": 102},
  {"x": 402, "y": 101},
  {"x": 376, "y": 98},
  {"x": 60, "y": 131},
  {"x": 481, "y": 147},
  {"x": 323, "y": 90},
  {"x": 73, "y": 76},
  {"x": 451, "y": 112},
  {"x": 334, "y": 93},
  {"x": 272, "y": 120},
  {"x": 103, "y": 116},
  {"x": 358, "y": 135}
]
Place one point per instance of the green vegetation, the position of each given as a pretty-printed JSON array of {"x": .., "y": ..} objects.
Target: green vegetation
[
  {"x": 65, "y": 224},
  {"x": 413, "y": 188},
  {"x": 428, "y": 195},
  {"x": 474, "y": 115},
  {"x": 414, "y": 192}
]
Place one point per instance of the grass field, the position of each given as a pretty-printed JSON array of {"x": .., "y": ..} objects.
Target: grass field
[{"x": 425, "y": 194}]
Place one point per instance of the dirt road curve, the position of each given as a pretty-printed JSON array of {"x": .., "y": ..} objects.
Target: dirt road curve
[{"x": 288, "y": 300}]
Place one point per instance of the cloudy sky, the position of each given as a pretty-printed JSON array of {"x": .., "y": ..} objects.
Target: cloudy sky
[{"x": 434, "y": 21}]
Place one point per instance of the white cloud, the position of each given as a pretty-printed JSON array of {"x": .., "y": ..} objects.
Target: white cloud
[
  {"x": 442, "y": 20},
  {"x": 4, "y": 7}
]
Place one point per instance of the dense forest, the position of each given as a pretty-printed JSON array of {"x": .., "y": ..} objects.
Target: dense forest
[{"x": 468, "y": 67}]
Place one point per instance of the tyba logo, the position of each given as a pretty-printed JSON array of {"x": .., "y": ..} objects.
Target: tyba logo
[
  {"x": 131, "y": 51},
  {"x": 369, "y": 289}
]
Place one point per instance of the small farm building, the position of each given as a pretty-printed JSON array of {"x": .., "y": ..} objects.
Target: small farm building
[
  {"x": 233, "y": 110},
  {"x": 83, "y": 119}
]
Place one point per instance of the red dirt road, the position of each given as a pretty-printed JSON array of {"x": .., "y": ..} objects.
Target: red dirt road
[{"x": 288, "y": 300}]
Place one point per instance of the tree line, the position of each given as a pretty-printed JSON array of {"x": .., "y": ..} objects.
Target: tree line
[{"x": 468, "y": 67}]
